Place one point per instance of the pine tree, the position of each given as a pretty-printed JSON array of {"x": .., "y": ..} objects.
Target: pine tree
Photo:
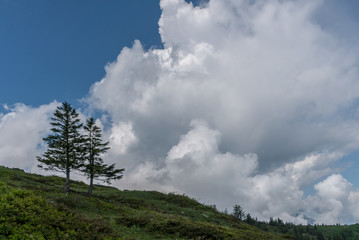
[
  {"x": 94, "y": 166},
  {"x": 64, "y": 152},
  {"x": 238, "y": 212}
]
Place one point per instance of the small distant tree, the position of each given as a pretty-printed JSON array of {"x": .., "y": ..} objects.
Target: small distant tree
[
  {"x": 272, "y": 221},
  {"x": 64, "y": 146},
  {"x": 238, "y": 212},
  {"x": 249, "y": 219},
  {"x": 94, "y": 167}
]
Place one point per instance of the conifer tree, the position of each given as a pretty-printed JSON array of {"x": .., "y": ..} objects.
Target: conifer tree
[
  {"x": 238, "y": 212},
  {"x": 64, "y": 152},
  {"x": 94, "y": 166}
]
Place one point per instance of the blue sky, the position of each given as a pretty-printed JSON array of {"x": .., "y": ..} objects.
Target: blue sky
[
  {"x": 253, "y": 100},
  {"x": 57, "y": 49}
]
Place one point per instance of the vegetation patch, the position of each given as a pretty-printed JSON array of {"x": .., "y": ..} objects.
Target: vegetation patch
[
  {"x": 45, "y": 212},
  {"x": 23, "y": 215}
]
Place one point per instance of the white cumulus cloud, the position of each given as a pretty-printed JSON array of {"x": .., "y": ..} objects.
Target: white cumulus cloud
[
  {"x": 196, "y": 166},
  {"x": 121, "y": 137},
  {"x": 21, "y": 131},
  {"x": 248, "y": 102},
  {"x": 335, "y": 202}
]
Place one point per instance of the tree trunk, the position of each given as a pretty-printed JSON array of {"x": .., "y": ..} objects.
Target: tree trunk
[
  {"x": 67, "y": 185},
  {"x": 90, "y": 187}
]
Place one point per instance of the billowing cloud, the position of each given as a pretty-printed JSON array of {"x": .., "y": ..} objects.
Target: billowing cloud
[
  {"x": 336, "y": 201},
  {"x": 21, "y": 131},
  {"x": 248, "y": 102},
  {"x": 121, "y": 137},
  {"x": 197, "y": 167}
]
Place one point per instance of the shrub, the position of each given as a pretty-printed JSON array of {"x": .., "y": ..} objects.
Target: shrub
[{"x": 23, "y": 215}]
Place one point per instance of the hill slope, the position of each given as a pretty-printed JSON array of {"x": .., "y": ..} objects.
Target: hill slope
[{"x": 35, "y": 207}]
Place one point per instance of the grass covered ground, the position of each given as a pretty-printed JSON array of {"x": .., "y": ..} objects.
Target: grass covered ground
[{"x": 35, "y": 207}]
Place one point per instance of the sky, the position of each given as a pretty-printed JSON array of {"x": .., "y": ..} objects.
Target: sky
[{"x": 246, "y": 102}]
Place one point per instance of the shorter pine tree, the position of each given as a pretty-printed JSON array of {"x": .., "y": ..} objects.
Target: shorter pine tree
[{"x": 94, "y": 167}]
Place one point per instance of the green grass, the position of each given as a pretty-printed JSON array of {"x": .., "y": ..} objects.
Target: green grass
[
  {"x": 35, "y": 207},
  {"x": 110, "y": 213}
]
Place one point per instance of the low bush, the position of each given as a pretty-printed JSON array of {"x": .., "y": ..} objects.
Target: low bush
[{"x": 23, "y": 215}]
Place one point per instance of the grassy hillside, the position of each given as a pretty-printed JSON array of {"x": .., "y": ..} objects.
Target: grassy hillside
[{"x": 35, "y": 207}]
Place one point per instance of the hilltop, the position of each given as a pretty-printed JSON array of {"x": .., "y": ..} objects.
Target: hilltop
[{"x": 35, "y": 207}]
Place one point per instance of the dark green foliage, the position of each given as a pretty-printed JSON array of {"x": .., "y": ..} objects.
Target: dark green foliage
[
  {"x": 238, "y": 212},
  {"x": 250, "y": 220},
  {"x": 94, "y": 167},
  {"x": 64, "y": 145},
  {"x": 320, "y": 236}
]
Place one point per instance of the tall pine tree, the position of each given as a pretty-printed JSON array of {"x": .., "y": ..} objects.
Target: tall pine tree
[
  {"x": 64, "y": 152},
  {"x": 94, "y": 166}
]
